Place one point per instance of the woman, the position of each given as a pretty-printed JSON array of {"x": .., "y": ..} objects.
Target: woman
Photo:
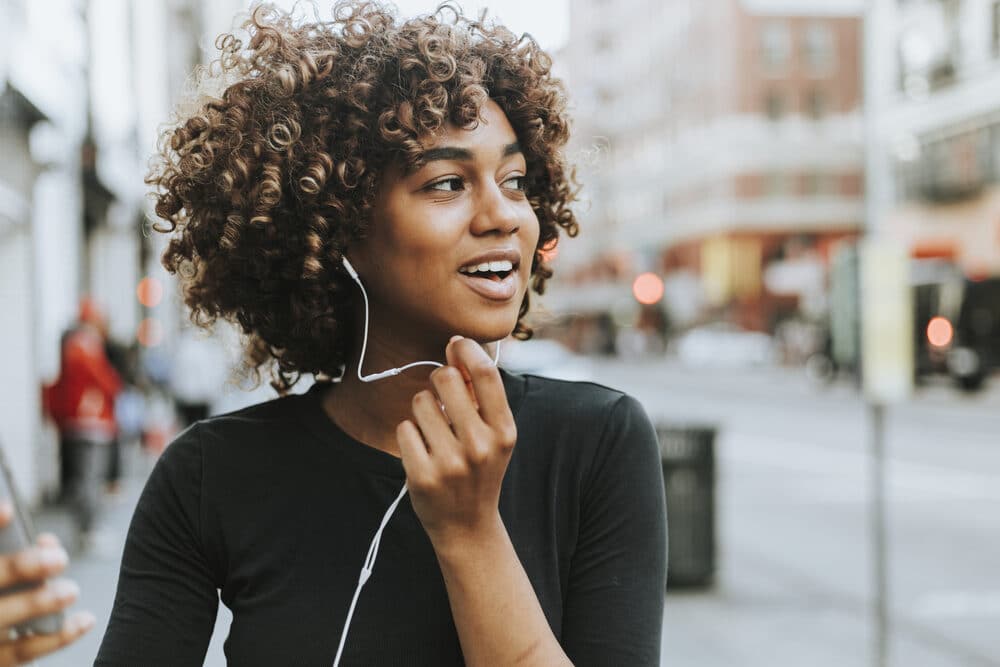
[{"x": 369, "y": 199}]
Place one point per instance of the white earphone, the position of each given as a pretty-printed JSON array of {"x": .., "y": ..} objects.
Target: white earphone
[
  {"x": 369, "y": 565},
  {"x": 364, "y": 341}
]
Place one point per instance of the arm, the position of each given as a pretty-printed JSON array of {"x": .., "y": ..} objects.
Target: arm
[
  {"x": 454, "y": 469},
  {"x": 613, "y": 613},
  {"x": 496, "y": 611},
  {"x": 167, "y": 598}
]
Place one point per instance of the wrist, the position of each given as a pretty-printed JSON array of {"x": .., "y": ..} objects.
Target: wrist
[{"x": 464, "y": 543}]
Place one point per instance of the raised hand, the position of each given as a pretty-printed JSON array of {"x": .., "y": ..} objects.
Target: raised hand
[{"x": 457, "y": 446}]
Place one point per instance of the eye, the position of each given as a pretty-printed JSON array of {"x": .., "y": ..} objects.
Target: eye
[
  {"x": 451, "y": 184},
  {"x": 516, "y": 182}
]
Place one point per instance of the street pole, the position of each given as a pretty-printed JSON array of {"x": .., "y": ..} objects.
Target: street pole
[
  {"x": 886, "y": 314},
  {"x": 880, "y": 606}
]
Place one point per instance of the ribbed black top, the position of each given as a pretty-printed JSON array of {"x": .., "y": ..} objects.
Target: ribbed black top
[{"x": 274, "y": 506}]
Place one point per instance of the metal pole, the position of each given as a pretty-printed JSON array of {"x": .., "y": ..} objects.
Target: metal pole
[
  {"x": 877, "y": 512},
  {"x": 879, "y": 82}
]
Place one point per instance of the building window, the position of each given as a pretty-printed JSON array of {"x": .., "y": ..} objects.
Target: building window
[
  {"x": 776, "y": 46},
  {"x": 820, "y": 51},
  {"x": 777, "y": 184},
  {"x": 819, "y": 184},
  {"x": 774, "y": 105},
  {"x": 817, "y": 104}
]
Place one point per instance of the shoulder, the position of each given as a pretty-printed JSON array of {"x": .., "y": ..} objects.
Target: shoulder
[
  {"x": 560, "y": 397},
  {"x": 585, "y": 411},
  {"x": 260, "y": 424}
]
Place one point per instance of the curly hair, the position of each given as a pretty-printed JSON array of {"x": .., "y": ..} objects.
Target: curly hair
[{"x": 266, "y": 185}]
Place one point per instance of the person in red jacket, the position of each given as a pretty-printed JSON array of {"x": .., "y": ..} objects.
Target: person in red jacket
[{"x": 82, "y": 403}]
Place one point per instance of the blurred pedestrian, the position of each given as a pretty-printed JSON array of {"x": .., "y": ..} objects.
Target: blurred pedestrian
[
  {"x": 197, "y": 375},
  {"x": 369, "y": 192},
  {"x": 82, "y": 405}
]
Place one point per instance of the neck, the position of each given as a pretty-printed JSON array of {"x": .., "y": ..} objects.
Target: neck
[{"x": 370, "y": 411}]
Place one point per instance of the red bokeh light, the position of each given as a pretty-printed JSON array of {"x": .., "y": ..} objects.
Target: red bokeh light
[
  {"x": 939, "y": 332},
  {"x": 647, "y": 288},
  {"x": 149, "y": 292}
]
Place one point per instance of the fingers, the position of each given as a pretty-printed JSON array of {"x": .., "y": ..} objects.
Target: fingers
[
  {"x": 53, "y": 596},
  {"x": 26, "y": 649},
  {"x": 452, "y": 392},
  {"x": 433, "y": 425},
  {"x": 488, "y": 387},
  {"x": 33, "y": 564},
  {"x": 416, "y": 459}
]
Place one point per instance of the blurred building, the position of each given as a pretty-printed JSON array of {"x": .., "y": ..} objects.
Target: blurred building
[
  {"x": 84, "y": 87},
  {"x": 942, "y": 126},
  {"x": 721, "y": 143}
]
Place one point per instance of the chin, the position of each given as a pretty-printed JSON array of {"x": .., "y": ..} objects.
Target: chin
[{"x": 488, "y": 329}]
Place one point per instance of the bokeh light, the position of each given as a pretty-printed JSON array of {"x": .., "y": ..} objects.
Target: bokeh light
[
  {"x": 939, "y": 332},
  {"x": 149, "y": 332},
  {"x": 149, "y": 292},
  {"x": 648, "y": 288}
]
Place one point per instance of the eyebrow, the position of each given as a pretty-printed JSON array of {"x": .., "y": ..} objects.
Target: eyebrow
[{"x": 462, "y": 154}]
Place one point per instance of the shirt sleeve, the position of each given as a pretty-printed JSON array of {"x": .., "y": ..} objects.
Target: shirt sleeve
[
  {"x": 613, "y": 612},
  {"x": 167, "y": 599}
]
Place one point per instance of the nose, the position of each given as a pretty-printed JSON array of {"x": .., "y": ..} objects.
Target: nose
[{"x": 496, "y": 212}]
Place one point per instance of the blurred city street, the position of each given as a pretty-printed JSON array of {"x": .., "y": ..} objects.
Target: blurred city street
[
  {"x": 793, "y": 578},
  {"x": 776, "y": 198}
]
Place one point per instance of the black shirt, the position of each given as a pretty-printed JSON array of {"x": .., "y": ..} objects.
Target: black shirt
[{"x": 274, "y": 506}]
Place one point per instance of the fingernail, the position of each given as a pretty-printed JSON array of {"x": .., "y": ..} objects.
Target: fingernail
[
  {"x": 81, "y": 622},
  {"x": 50, "y": 557},
  {"x": 454, "y": 338},
  {"x": 63, "y": 589}
]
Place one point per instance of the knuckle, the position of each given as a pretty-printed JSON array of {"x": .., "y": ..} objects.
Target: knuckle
[
  {"x": 508, "y": 436},
  {"x": 478, "y": 453},
  {"x": 454, "y": 468},
  {"x": 421, "y": 398},
  {"x": 482, "y": 370}
]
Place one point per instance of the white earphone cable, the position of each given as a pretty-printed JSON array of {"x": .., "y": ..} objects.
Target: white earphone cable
[
  {"x": 369, "y": 565},
  {"x": 366, "y": 571}
]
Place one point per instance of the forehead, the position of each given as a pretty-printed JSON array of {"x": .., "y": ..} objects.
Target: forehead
[{"x": 490, "y": 134}]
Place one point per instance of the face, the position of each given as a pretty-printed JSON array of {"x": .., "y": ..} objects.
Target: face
[{"x": 451, "y": 244}]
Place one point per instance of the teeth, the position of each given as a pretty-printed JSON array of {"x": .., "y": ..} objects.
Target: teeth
[{"x": 493, "y": 267}]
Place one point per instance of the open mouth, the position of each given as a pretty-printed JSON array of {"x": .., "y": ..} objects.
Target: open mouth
[
  {"x": 495, "y": 276},
  {"x": 493, "y": 280},
  {"x": 494, "y": 271}
]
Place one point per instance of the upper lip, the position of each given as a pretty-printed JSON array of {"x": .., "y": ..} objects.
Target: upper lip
[{"x": 509, "y": 254}]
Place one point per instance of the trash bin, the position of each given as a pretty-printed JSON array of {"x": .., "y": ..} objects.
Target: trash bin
[{"x": 688, "y": 457}]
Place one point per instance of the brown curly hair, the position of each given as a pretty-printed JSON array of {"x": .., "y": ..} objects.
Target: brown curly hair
[{"x": 264, "y": 186}]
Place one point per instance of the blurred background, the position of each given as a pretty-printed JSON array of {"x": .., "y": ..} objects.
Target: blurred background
[{"x": 725, "y": 148}]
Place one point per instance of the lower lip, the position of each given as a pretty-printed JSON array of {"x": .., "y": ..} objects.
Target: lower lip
[{"x": 494, "y": 290}]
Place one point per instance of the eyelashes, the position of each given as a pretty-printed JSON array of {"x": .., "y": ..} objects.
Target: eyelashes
[{"x": 456, "y": 184}]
